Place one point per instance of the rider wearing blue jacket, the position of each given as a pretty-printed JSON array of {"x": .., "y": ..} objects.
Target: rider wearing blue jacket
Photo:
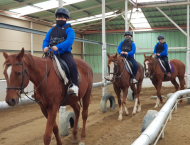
[
  {"x": 60, "y": 39},
  {"x": 127, "y": 49},
  {"x": 161, "y": 51}
]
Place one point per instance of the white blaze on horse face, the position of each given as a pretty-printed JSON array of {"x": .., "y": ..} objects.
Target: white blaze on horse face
[
  {"x": 9, "y": 70},
  {"x": 111, "y": 69},
  {"x": 146, "y": 66}
]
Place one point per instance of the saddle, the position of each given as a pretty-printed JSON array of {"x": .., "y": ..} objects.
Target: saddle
[{"x": 163, "y": 66}]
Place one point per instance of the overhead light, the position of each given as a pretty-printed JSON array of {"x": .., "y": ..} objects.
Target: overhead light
[
  {"x": 137, "y": 14},
  {"x": 42, "y": 6}
]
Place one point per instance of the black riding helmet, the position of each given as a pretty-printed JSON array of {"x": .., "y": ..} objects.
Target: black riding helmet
[
  {"x": 161, "y": 37},
  {"x": 62, "y": 11},
  {"x": 128, "y": 33}
]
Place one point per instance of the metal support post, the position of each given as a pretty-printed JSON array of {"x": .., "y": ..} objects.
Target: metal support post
[
  {"x": 60, "y": 3},
  {"x": 188, "y": 53},
  {"x": 126, "y": 10},
  {"x": 31, "y": 39},
  {"x": 104, "y": 89}
]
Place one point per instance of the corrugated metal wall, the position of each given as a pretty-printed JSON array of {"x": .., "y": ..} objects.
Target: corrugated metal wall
[{"x": 144, "y": 40}]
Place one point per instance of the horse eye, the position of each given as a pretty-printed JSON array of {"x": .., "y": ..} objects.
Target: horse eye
[{"x": 19, "y": 73}]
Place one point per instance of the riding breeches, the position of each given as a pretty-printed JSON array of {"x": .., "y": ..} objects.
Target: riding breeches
[
  {"x": 165, "y": 59},
  {"x": 68, "y": 58},
  {"x": 135, "y": 65}
]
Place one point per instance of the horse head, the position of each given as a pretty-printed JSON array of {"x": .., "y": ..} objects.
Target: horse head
[
  {"x": 113, "y": 67},
  {"x": 148, "y": 62},
  {"x": 15, "y": 75}
]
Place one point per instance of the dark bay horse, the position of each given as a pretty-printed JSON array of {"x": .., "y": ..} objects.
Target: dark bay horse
[
  {"x": 20, "y": 68},
  {"x": 157, "y": 76},
  {"x": 121, "y": 81}
]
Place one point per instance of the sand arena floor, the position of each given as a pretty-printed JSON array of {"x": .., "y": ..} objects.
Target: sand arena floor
[{"x": 25, "y": 125}]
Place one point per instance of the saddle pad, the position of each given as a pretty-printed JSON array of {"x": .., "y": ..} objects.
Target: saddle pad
[
  {"x": 127, "y": 68},
  {"x": 172, "y": 69},
  {"x": 61, "y": 73}
]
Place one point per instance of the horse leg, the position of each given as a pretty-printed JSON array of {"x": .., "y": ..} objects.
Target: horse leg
[
  {"x": 50, "y": 125},
  {"x": 135, "y": 93},
  {"x": 159, "y": 97},
  {"x": 55, "y": 127},
  {"x": 182, "y": 83},
  {"x": 76, "y": 109},
  {"x": 86, "y": 102},
  {"x": 175, "y": 84},
  {"x": 125, "y": 92},
  {"x": 139, "y": 87},
  {"x": 117, "y": 91}
]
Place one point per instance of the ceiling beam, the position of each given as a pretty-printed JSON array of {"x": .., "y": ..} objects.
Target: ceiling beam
[
  {"x": 165, "y": 10},
  {"x": 79, "y": 9},
  {"x": 162, "y": 5},
  {"x": 171, "y": 13},
  {"x": 89, "y": 8},
  {"x": 17, "y": 4},
  {"x": 101, "y": 4}
]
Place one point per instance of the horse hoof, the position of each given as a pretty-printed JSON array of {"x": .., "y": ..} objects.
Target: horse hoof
[
  {"x": 127, "y": 114},
  {"x": 139, "y": 110},
  {"x": 119, "y": 119},
  {"x": 81, "y": 143},
  {"x": 133, "y": 113},
  {"x": 75, "y": 141},
  {"x": 155, "y": 106}
]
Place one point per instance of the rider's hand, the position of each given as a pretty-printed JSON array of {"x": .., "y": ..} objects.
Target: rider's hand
[
  {"x": 126, "y": 53},
  {"x": 155, "y": 55},
  {"x": 55, "y": 48},
  {"x": 158, "y": 54},
  {"x": 46, "y": 49},
  {"x": 122, "y": 52}
]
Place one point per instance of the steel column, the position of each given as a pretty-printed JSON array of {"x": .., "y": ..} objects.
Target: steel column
[
  {"x": 104, "y": 89},
  {"x": 188, "y": 52},
  {"x": 31, "y": 38},
  {"x": 126, "y": 11},
  {"x": 60, "y": 3},
  {"x": 172, "y": 21}
]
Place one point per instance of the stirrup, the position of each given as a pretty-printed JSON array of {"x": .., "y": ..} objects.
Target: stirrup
[{"x": 133, "y": 81}]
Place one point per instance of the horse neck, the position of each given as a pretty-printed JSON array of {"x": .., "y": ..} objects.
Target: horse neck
[
  {"x": 121, "y": 66},
  {"x": 37, "y": 72},
  {"x": 154, "y": 63}
]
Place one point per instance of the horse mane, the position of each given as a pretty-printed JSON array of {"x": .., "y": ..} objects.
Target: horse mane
[{"x": 28, "y": 57}]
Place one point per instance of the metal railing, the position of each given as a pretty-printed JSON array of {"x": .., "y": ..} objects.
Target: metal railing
[{"x": 152, "y": 131}]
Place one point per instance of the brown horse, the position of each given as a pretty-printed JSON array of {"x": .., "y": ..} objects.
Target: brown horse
[
  {"x": 120, "y": 78},
  {"x": 157, "y": 76},
  {"x": 21, "y": 68}
]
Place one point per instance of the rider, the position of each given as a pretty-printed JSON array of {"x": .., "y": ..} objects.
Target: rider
[
  {"x": 60, "y": 39},
  {"x": 127, "y": 49},
  {"x": 160, "y": 50}
]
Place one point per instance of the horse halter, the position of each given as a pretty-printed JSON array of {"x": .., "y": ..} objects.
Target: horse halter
[
  {"x": 23, "y": 77},
  {"x": 151, "y": 76}
]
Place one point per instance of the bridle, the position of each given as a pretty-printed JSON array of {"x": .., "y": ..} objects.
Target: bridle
[
  {"x": 21, "y": 89},
  {"x": 24, "y": 71},
  {"x": 151, "y": 66}
]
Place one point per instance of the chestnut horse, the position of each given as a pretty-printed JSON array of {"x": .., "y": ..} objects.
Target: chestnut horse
[
  {"x": 156, "y": 75},
  {"x": 120, "y": 78},
  {"x": 21, "y": 68}
]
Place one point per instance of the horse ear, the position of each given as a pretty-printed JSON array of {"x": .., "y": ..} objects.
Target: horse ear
[
  {"x": 108, "y": 55},
  {"x": 144, "y": 55},
  {"x": 115, "y": 55},
  {"x": 151, "y": 56},
  {"x": 21, "y": 54},
  {"x": 5, "y": 55}
]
